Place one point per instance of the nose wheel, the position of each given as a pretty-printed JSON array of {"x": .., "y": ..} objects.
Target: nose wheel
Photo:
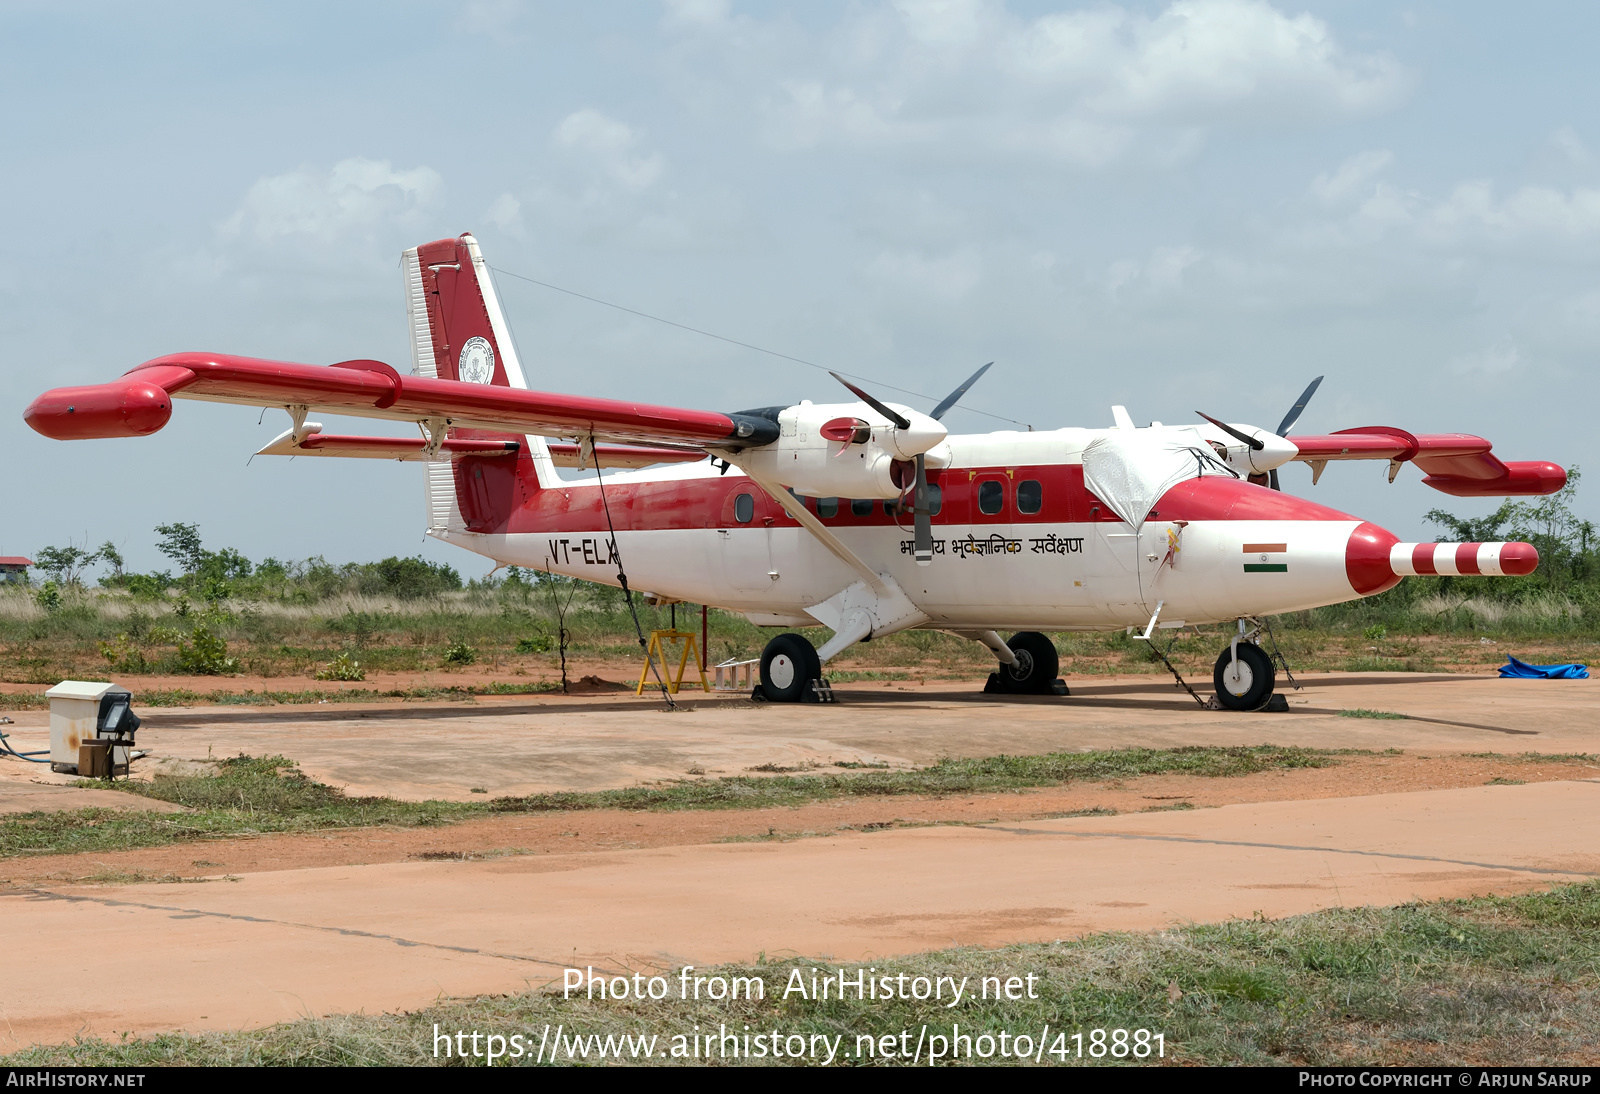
[{"x": 1244, "y": 682}]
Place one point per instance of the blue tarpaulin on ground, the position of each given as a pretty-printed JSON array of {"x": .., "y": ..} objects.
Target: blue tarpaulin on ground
[{"x": 1521, "y": 670}]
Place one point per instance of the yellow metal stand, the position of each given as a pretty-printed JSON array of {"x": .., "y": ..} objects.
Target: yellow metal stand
[{"x": 660, "y": 641}]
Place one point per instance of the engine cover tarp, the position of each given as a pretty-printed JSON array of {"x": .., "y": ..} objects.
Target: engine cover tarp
[
  {"x": 1521, "y": 670},
  {"x": 1130, "y": 469}
]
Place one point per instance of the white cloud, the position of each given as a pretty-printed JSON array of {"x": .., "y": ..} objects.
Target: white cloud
[
  {"x": 493, "y": 18},
  {"x": 505, "y": 213},
  {"x": 1082, "y": 86},
  {"x": 609, "y": 143},
  {"x": 1352, "y": 176},
  {"x": 945, "y": 277},
  {"x": 1489, "y": 363},
  {"x": 1530, "y": 212},
  {"x": 697, "y": 12},
  {"x": 1571, "y": 146},
  {"x": 356, "y": 194},
  {"x": 1201, "y": 55},
  {"x": 1163, "y": 271}
]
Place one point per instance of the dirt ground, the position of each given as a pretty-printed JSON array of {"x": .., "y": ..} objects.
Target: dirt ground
[
  {"x": 609, "y": 829},
  {"x": 251, "y": 931}
]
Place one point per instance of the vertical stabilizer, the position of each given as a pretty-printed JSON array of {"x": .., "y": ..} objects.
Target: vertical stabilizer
[{"x": 459, "y": 332}]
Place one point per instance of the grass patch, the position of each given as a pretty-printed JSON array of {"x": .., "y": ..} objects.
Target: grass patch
[
  {"x": 948, "y": 776},
  {"x": 1491, "y": 981},
  {"x": 249, "y": 796},
  {"x": 1363, "y": 712}
]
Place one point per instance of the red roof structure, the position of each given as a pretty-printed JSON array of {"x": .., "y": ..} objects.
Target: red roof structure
[{"x": 15, "y": 560}]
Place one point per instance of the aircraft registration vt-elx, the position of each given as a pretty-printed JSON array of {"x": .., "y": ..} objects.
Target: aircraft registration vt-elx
[{"x": 866, "y": 517}]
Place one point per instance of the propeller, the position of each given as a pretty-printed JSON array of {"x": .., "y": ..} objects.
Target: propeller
[
  {"x": 1288, "y": 422},
  {"x": 951, "y": 399},
  {"x": 1299, "y": 405},
  {"x": 894, "y": 416},
  {"x": 1255, "y": 445},
  {"x": 922, "y": 520}
]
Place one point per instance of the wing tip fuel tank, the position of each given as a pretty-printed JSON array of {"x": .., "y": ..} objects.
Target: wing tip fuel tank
[{"x": 123, "y": 408}]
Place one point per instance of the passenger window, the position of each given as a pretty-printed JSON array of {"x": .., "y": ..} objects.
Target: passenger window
[
  {"x": 744, "y": 508},
  {"x": 827, "y": 507},
  {"x": 1030, "y": 496},
  {"x": 991, "y": 496},
  {"x": 861, "y": 507}
]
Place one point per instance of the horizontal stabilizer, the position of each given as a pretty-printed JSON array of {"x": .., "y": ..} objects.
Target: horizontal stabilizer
[{"x": 621, "y": 455}]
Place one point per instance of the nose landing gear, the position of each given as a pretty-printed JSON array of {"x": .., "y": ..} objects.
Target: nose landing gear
[{"x": 1245, "y": 675}]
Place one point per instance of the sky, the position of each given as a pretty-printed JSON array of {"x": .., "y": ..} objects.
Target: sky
[{"x": 1197, "y": 205}]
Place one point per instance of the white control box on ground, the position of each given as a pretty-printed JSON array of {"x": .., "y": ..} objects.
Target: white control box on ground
[{"x": 74, "y": 708}]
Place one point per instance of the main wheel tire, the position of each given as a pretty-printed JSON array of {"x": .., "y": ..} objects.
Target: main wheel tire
[
  {"x": 1247, "y": 684},
  {"x": 1036, "y": 665},
  {"x": 789, "y": 664}
]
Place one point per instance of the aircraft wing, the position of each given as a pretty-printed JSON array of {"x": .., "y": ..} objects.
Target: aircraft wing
[
  {"x": 1453, "y": 463},
  {"x": 140, "y": 403}
]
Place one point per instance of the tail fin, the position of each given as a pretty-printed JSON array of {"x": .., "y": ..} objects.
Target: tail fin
[{"x": 459, "y": 332}]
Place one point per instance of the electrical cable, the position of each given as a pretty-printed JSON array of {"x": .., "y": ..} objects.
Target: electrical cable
[
  {"x": 745, "y": 345},
  {"x": 627, "y": 593},
  {"x": 7, "y": 750}
]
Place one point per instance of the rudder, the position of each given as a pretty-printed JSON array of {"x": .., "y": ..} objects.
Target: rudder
[{"x": 459, "y": 332}]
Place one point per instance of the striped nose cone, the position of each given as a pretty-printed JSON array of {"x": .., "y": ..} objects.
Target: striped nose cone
[{"x": 1450, "y": 559}]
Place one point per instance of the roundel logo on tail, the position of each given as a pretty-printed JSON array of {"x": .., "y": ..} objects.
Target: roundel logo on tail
[{"x": 476, "y": 363}]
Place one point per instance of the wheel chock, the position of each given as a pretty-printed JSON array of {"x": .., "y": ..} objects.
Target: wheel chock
[
  {"x": 820, "y": 691},
  {"x": 1276, "y": 704}
]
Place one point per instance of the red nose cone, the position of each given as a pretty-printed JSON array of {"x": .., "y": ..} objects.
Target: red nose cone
[
  {"x": 1366, "y": 560},
  {"x": 130, "y": 408},
  {"x": 1519, "y": 559}
]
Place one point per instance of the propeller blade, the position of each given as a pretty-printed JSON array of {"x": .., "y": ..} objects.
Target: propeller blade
[
  {"x": 951, "y": 399},
  {"x": 922, "y": 522},
  {"x": 1272, "y": 479},
  {"x": 897, "y": 418},
  {"x": 1294, "y": 412},
  {"x": 1254, "y": 444}
]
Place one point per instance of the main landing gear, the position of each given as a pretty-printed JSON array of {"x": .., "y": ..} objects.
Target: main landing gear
[
  {"x": 791, "y": 672},
  {"x": 1033, "y": 667}
]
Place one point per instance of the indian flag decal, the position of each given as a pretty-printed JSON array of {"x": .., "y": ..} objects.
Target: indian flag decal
[{"x": 1266, "y": 558}]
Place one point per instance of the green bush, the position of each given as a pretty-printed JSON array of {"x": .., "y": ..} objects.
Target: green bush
[
  {"x": 539, "y": 643},
  {"x": 205, "y": 654},
  {"x": 49, "y": 597},
  {"x": 124, "y": 655},
  {"x": 408, "y": 578},
  {"x": 342, "y": 667},
  {"x": 459, "y": 653}
]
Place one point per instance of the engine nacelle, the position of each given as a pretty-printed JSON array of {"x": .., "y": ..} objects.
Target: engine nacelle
[
  {"x": 846, "y": 450},
  {"x": 1274, "y": 452}
]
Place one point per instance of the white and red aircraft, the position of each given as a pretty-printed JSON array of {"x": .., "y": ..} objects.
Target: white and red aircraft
[{"x": 866, "y": 517}]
